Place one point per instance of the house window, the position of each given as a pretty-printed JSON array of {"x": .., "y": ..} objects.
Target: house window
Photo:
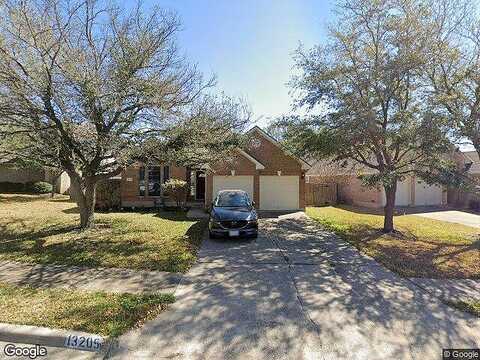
[
  {"x": 166, "y": 174},
  {"x": 141, "y": 181},
  {"x": 154, "y": 178}
]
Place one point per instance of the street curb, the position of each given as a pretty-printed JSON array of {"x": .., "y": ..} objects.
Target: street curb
[{"x": 26, "y": 334}]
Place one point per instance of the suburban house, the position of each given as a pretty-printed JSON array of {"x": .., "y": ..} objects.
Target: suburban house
[
  {"x": 470, "y": 161},
  {"x": 411, "y": 192},
  {"x": 350, "y": 190},
  {"x": 269, "y": 173},
  {"x": 9, "y": 173}
]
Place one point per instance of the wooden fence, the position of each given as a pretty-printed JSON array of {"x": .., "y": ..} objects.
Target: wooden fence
[{"x": 320, "y": 194}]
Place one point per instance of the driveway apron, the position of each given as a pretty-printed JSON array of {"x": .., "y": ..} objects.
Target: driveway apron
[{"x": 297, "y": 292}]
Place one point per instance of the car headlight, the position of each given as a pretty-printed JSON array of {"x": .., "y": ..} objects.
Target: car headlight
[{"x": 214, "y": 223}]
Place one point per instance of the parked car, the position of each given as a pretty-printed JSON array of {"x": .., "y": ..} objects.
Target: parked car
[{"x": 233, "y": 215}]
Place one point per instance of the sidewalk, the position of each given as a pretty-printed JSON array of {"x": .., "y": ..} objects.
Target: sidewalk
[{"x": 88, "y": 279}]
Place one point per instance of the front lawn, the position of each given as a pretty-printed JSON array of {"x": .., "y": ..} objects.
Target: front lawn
[
  {"x": 99, "y": 312},
  {"x": 422, "y": 248},
  {"x": 472, "y": 306},
  {"x": 38, "y": 229}
]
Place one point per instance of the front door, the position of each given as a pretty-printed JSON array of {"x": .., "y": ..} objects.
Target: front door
[{"x": 200, "y": 185}]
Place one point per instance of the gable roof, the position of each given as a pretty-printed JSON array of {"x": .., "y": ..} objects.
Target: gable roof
[
  {"x": 258, "y": 164},
  {"x": 265, "y": 135},
  {"x": 330, "y": 167},
  {"x": 472, "y": 157}
]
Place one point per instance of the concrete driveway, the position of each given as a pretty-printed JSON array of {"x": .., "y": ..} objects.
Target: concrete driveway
[
  {"x": 297, "y": 292},
  {"x": 454, "y": 216}
]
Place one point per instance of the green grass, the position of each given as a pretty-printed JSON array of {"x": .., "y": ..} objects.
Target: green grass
[
  {"x": 472, "y": 307},
  {"x": 421, "y": 248},
  {"x": 99, "y": 313},
  {"x": 37, "y": 229}
]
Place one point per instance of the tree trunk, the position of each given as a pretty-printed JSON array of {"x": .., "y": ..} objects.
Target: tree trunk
[
  {"x": 84, "y": 195},
  {"x": 390, "y": 192},
  {"x": 53, "y": 183}
]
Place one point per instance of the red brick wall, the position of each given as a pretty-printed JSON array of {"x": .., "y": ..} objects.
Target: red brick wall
[
  {"x": 271, "y": 156},
  {"x": 352, "y": 191},
  {"x": 130, "y": 181},
  {"x": 240, "y": 164}
]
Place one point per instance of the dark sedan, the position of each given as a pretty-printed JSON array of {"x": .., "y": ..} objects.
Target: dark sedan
[{"x": 233, "y": 215}]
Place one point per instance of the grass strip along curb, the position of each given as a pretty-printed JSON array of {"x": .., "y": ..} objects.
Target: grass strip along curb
[{"x": 107, "y": 314}]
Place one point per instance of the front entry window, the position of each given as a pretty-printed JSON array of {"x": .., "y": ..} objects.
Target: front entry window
[{"x": 154, "y": 181}]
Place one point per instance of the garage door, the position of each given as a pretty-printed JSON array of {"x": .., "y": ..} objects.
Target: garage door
[
  {"x": 244, "y": 183},
  {"x": 402, "y": 196},
  {"x": 427, "y": 194},
  {"x": 279, "y": 192}
]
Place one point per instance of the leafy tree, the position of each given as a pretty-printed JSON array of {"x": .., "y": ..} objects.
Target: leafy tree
[
  {"x": 88, "y": 84},
  {"x": 364, "y": 94},
  {"x": 454, "y": 67}
]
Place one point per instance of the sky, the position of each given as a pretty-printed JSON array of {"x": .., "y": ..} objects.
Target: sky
[{"x": 248, "y": 44}]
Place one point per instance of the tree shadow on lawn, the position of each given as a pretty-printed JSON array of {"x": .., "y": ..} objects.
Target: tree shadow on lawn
[
  {"x": 418, "y": 258},
  {"x": 21, "y": 198},
  {"x": 398, "y": 211},
  {"x": 7, "y": 234},
  {"x": 82, "y": 252},
  {"x": 101, "y": 247},
  {"x": 406, "y": 254}
]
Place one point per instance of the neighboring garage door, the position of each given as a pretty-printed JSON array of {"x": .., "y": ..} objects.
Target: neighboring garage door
[
  {"x": 427, "y": 194},
  {"x": 244, "y": 183},
  {"x": 402, "y": 196},
  {"x": 279, "y": 192}
]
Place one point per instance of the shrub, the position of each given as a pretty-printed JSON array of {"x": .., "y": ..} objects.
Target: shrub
[
  {"x": 40, "y": 187},
  {"x": 108, "y": 194},
  {"x": 177, "y": 190}
]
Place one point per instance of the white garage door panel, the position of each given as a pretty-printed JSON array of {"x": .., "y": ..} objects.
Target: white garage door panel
[
  {"x": 427, "y": 194},
  {"x": 244, "y": 183},
  {"x": 402, "y": 196},
  {"x": 279, "y": 192}
]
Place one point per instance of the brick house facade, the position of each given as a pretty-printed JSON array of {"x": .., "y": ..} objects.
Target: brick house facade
[{"x": 261, "y": 168}]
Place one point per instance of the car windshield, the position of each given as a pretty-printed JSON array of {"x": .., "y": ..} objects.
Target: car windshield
[{"x": 232, "y": 199}]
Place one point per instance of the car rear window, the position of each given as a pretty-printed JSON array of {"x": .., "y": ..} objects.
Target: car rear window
[{"x": 232, "y": 199}]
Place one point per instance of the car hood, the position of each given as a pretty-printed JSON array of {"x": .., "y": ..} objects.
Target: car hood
[{"x": 238, "y": 213}]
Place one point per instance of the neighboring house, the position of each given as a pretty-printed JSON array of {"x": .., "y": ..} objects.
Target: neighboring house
[
  {"x": 62, "y": 184},
  {"x": 466, "y": 160},
  {"x": 9, "y": 173},
  {"x": 273, "y": 177},
  {"x": 472, "y": 161},
  {"x": 350, "y": 190}
]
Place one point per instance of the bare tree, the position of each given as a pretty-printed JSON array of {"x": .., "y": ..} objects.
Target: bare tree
[{"x": 85, "y": 82}]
